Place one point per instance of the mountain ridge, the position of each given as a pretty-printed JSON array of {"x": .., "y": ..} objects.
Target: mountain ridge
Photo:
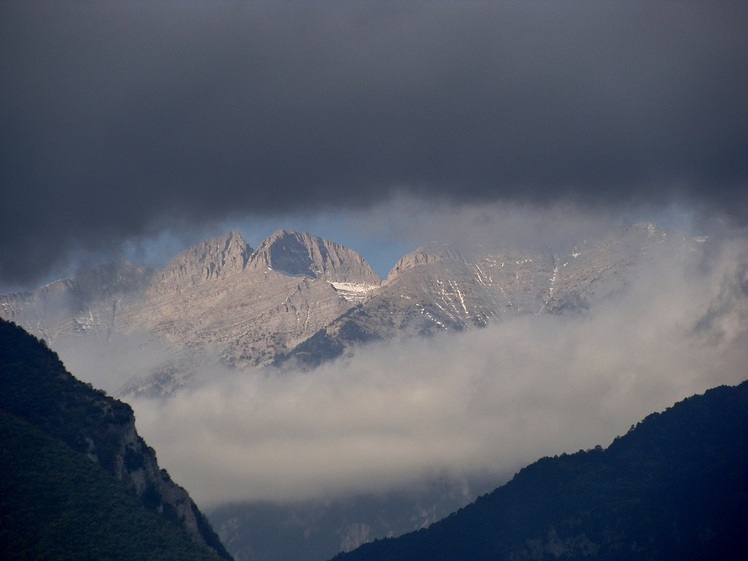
[
  {"x": 205, "y": 261},
  {"x": 299, "y": 299},
  {"x": 302, "y": 254},
  {"x": 673, "y": 487},
  {"x": 40, "y": 392},
  {"x": 440, "y": 289},
  {"x": 248, "y": 314}
]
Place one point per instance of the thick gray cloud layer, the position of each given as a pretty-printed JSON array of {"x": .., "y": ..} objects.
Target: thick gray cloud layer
[{"x": 118, "y": 119}]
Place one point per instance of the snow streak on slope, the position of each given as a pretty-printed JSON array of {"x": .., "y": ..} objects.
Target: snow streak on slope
[{"x": 355, "y": 292}]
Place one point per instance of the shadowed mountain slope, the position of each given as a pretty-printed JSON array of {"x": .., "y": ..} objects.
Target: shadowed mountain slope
[
  {"x": 674, "y": 487},
  {"x": 69, "y": 454},
  {"x": 302, "y": 254}
]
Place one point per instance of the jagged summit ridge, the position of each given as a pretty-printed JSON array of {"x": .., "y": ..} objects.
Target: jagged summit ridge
[
  {"x": 217, "y": 300},
  {"x": 298, "y": 296},
  {"x": 205, "y": 261},
  {"x": 294, "y": 254},
  {"x": 300, "y": 254}
]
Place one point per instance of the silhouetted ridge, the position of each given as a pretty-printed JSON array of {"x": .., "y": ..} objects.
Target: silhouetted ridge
[
  {"x": 69, "y": 421},
  {"x": 674, "y": 487}
]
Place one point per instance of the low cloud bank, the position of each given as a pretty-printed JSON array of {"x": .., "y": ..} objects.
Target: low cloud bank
[{"x": 485, "y": 401}]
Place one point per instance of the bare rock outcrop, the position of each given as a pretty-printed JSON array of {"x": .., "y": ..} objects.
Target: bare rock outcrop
[
  {"x": 209, "y": 260},
  {"x": 305, "y": 255}
]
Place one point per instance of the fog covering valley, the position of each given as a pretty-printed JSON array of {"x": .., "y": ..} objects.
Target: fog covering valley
[{"x": 477, "y": 404}]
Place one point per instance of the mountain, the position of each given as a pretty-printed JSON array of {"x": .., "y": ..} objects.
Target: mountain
[
  {"x": 300, "y": 254},
  {"x": 70, "y": 308},
  {"x": 218, "y": 301},
  {"x": 438, "y": 289},
  {"x": 267, "y": 302},
  {"x": 209, "y": 260},
  {"x": 674, "y": 487},
  {"x": 298, "y": 299},
  {"x": 78, "y": 481}
]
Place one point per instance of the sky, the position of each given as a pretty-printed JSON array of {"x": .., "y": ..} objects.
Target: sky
[
  {"x": 132, "y": 129},
  {"x": 125, "y": 125}
]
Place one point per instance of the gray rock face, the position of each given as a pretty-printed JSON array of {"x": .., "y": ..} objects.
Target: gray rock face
[
  {"x": 207, "y": 261},
  {"x": 299, "y": 254},
  {"x": 423, "y": 256},
  {"x": 216, "y": 301},
  {"x": 137, "y": 468},
  {"x": 453, "y": 291},
  {"x": 440, "y": 289},
  {"x": 244, "y": 307}
]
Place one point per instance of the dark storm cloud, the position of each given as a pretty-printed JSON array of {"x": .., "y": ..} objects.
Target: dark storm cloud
[{"x": 120, "y": 118}]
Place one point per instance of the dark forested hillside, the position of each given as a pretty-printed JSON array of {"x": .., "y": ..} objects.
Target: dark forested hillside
[
  {"x": 57, "y": 504},
  {"x": 77, "y": 482},
  {"x": 674, "y": 487}
]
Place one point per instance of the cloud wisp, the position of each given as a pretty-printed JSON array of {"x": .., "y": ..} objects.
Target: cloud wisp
[
  {"x": 121, "y": 119},
  {"x": 486, "y": 401}
]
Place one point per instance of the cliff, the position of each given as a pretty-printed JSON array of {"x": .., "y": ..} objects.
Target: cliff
[{"x": 38, "y": 392}]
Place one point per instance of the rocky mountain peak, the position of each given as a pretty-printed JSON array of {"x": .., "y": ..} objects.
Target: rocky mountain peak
[
  {"x": 299, "y": 254},
  {"x": 423, "y": 256},
  {"x": 205, "y": 261}
]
